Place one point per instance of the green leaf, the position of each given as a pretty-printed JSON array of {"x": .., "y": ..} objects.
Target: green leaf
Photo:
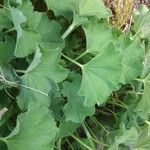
[
  {"x": 50, "y": 33},
  {"x": 4, "y": 20},
  {"x": 67, "y": 128},
  {"x": 129, "y": 117},
  {"x": 56, "y": 106},
  {"x": 36, "y": 129},
  {"x": 132, "y": 62},
  {"x": 6, "y": 54},
  {"x": 27, "y": 43},
  {"x": 26, "y": 7},
  {"x": 126, "y": 137},
  {"x": 34, "y": 20},
  {"x": 83, "y": 8},
  {"x": 49, "y": 30},
  {"x": 98, "y": 35},
  {"x": 144, "y": 104},
  {"x": 75, "y": 110},
  {"x": 36, "y": 84},
  {"x": 61, "y": 7},
  {"x": 143, "y": 142},
  {"x": 13, "y": 3},
  {"x": 25, "y": 38},
  {"x": 142, "y": 24},
  {"x": 57, "y": 102},
  {"x": 132, "y": 57},
  {"x": 18, "y": 18},
  {"x": 36, "y": 60},
  {"x": 88, "y": 8},
  {"x": 41, "y": 31},
  {"x": 101, "y": 76}
]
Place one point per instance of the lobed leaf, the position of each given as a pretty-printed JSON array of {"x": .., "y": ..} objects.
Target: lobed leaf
[
  {"x": 35, "y": 129},
  {"x": 82, "y": 8},
  {"x": 144, "y": 104},
  {"x": 75, "y": 110},
  {"x": 6, "y": 55},
  {"x": 132, "y": 62},
  {"x": 67, "y": 128},
  {"x": 46, "y": 72},
  {"x": 142, "y": 24},
  {"x": 98, "y": 35},
  {"x": 27, "y": 43},
  {"x": 101, "y": 76}
]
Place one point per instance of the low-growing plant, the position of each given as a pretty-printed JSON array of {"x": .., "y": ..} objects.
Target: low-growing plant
[{"x": 72, "y": 79}]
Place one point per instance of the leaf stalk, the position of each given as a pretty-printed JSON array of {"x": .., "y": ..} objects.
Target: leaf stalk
[
  {"x": 80, "y": 56},
  {"x": 73, "y": 61},
  {"x": 68, "y": 31}
]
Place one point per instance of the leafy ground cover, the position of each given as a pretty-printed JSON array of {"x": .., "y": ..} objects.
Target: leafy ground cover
[{"x": 71, "y": 79}]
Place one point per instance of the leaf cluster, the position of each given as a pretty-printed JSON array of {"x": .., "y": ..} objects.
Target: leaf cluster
[{"x": 64, "y": 69}]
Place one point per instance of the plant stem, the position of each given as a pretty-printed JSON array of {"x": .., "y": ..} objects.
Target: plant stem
[
  {"x": 91, "y": 132},
  {"x": 94, "y": 138},
  {"x": 117, "y": 104},
  {"x": 98, "y": 123},
  {"x": 146, "y": 70},
  {"x": 4, "y": 7},
  {"x": 80, "y": 56},
  {"x": 88, "y": 135},
  {"x": 100, "y": 143},
  {"x": 21, "y": 71},
  {"x": 15, "y": 84},
  {"x": 86, "y": 146},
  {"x": 112, "y": 112},
  {"x": 10, "y": 30},
  {"x": 3, "y": 139},
  {"x": 70, "y": 145},
  {"x": 59, "y": 144},
  {"x": 73, "y": 61},
  {"x": 30, "y": 88},
  {"x": 147, "y": 122},
  {"x": 68, "y": 31}
]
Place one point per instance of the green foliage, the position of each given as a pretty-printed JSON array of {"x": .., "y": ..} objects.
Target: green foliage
[
  {"x": 142, "y": 25},
  {"x": 101, "y": 75},
  {"x": 143, "y": 106},
  {"x": 82, "y": 8},
  {"x": 75, "y": 110},
  {"x": 37, "y": 123},
  {"x": 128, "y": 137},
  {"x": 69, "y": 80},
  {"x": 100, "y": 31}
]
